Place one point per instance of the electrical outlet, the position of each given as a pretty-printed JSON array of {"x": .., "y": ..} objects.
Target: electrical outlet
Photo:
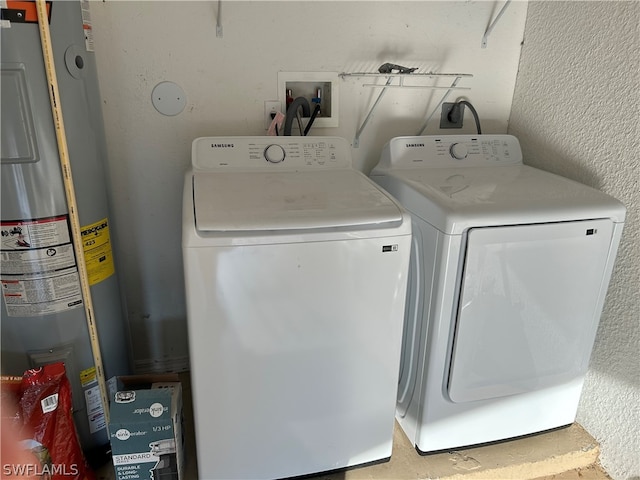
[
  {"x": 456, "y": 120},
  {"x": 271, "y": 107}
]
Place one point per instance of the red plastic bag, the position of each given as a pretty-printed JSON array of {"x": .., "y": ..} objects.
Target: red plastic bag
[{"x": 39, "y": 438}]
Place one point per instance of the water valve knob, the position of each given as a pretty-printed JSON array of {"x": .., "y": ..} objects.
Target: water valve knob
[
  {"x": 274, "y": 153},
  {"x": 458, "y": 151}
]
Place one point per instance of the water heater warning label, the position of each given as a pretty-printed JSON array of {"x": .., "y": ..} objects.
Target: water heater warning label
[
  {"x": 39, "y": 269},
  {"x": 98, "y": 256}
]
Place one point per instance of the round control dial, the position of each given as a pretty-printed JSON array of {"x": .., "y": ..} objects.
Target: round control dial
[
  {"x": 459, "y": 151},
  {"x": 274, "y": 153}
]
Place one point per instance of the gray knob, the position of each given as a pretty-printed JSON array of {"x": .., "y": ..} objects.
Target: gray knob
[
  {"x": 459, "y": 151},
  {"x": 274, "y": 153}
]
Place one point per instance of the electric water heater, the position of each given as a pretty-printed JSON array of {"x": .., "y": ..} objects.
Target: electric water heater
[{"x": 43, "y": 314}]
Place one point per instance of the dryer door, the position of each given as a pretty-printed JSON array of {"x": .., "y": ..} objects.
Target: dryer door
[{"x": 530, "y": 302}]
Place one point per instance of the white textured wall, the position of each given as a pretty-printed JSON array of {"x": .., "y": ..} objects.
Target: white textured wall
[
  {"x": 227, "y": 80},
  {"x": 575, "y": 110}
]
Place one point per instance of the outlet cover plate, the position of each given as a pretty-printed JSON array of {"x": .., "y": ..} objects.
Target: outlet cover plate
[
  {"x": 270, "y": 106},
  {"x": 444, "y": 117}
]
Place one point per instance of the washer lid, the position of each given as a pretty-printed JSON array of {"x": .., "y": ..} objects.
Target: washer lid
[
  {"x": 258, "y": 201},
  {"x": 454, "y": 199}
]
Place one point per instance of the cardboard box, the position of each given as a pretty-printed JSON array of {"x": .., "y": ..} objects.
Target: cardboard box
[{"x": 146, "y": 427}]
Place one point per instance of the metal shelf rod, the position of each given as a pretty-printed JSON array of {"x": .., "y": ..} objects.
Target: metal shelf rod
[
  {"x": 405, "y": 75},
  {"x": 429, "y": 87}
]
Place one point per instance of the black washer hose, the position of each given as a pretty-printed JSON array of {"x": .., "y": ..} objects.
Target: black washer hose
[
  {"x": 316, "y": 110},
  {"x": 291, "y": 114},
  {"x": 473, "y": 111}
]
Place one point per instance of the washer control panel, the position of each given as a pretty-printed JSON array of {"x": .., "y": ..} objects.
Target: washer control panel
[
  {"x": 451, "y": 151},
  {"x": 267, "y": 152}
]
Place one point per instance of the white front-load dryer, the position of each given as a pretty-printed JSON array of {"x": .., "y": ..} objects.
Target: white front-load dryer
[
  {"x": 509, "y": 270},
  {"x": 296, "y": 271}
]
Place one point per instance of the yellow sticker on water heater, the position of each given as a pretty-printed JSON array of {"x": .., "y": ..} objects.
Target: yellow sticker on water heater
[
  {"x": 88, "y": 376},
  {"x": 98, "y": 256}
]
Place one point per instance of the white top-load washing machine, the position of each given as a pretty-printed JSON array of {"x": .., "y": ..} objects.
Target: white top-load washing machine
[
  {"x": 296, "y": 271},
  {"x": 509, "y": 270}
]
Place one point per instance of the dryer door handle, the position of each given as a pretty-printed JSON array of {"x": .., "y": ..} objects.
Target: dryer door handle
[{"x": 412, "y": 325}]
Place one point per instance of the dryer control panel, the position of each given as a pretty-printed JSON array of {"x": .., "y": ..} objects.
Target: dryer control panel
[
  {"x": 451, "y": 150},
  {"x": 268, "y": 153}
]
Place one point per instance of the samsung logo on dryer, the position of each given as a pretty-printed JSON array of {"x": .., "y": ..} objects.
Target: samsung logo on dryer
[
  {"x": 414, "y": 145},
  {"x": 222, "y": 145}
]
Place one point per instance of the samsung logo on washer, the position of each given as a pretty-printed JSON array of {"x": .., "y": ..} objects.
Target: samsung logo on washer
[
  {"x": 413, "y": 145},
  {"x": 222, "y": 145}
]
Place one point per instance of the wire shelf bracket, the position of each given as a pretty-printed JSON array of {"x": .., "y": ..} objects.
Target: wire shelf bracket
[
  {"x": 219, "y": 32},
  {"x": 400, "y": 78},
  {"x": 485, "y": 37}
]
